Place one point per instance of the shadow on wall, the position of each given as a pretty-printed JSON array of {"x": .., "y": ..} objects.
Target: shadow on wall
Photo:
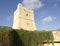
[{"x": 17, "y": 41}]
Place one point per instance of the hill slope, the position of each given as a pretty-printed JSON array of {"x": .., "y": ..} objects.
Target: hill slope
[{"x": 11, "y": 37}]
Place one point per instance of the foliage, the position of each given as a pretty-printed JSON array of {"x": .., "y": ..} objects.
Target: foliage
[
  {"x": 11, "y": 37},
  {"x": 33, "y": 38},
  {"x": 6, "y": 36}
]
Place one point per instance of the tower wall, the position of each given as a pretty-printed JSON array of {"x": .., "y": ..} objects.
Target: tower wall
[{"x": 24, "y": 19}]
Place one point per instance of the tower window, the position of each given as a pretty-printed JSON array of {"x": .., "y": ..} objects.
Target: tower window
[{"x": 26, "y": 14}]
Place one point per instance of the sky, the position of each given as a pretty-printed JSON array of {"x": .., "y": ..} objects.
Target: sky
[{"x": 46, "y": 12}]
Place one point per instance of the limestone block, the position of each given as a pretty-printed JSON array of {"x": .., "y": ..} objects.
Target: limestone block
[
  {"x": 55, "y": 44},
  {"x": 56, "y": 35}
]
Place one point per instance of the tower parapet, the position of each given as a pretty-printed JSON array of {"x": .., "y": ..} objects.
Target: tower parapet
[{"x": 19, "y": 5}]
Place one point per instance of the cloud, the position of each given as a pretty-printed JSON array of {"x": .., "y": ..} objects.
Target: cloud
[
  {"x": 55, "y": 5},
  {"x": 32, "y": 4},
  {"x": 9, "y": 17},
  {"x": 48, "y": 19}
]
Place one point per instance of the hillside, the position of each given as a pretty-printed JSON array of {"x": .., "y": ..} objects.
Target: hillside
[{"x": 11, "y": 37}]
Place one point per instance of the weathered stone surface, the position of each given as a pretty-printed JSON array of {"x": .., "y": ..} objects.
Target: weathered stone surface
[
  {"x": 23, "y": 19},
  {"x": 55, "y": 44},
  {"x": 56, "y": 35}
]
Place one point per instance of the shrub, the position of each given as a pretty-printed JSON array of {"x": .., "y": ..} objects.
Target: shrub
[
  {"x": 5, "y": 36},
  {"x": 10, "y": 37},
  {"x": 32, "y": 38}
]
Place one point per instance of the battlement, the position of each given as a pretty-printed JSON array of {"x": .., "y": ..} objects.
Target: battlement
[{"x": 20, "y": 7}]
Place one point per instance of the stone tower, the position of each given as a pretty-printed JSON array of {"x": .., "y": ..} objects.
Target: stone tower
[{"x": 23, "y": 19}]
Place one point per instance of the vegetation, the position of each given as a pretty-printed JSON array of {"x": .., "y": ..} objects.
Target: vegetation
[
  {"x": 5, "y": 36},
  {"x": 11, "y": 37}
]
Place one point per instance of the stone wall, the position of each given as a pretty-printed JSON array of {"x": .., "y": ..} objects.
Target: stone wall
[
  {"x": 55, "y": 44},
  {"x": 24, "y": 19},
  {"x": 56, "y": 35}
]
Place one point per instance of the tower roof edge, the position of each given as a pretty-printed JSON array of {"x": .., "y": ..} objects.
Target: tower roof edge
[{"x": 19, "y": 5}]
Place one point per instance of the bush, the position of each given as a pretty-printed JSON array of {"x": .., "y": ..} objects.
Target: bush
[
  {"x": 6, "y": 36},
  {"x": 32, "y": 38},
  {"x": 10, "y": 37}
]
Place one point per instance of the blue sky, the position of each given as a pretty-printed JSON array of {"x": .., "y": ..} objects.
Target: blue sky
[{"x": 46, "y": 12}]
